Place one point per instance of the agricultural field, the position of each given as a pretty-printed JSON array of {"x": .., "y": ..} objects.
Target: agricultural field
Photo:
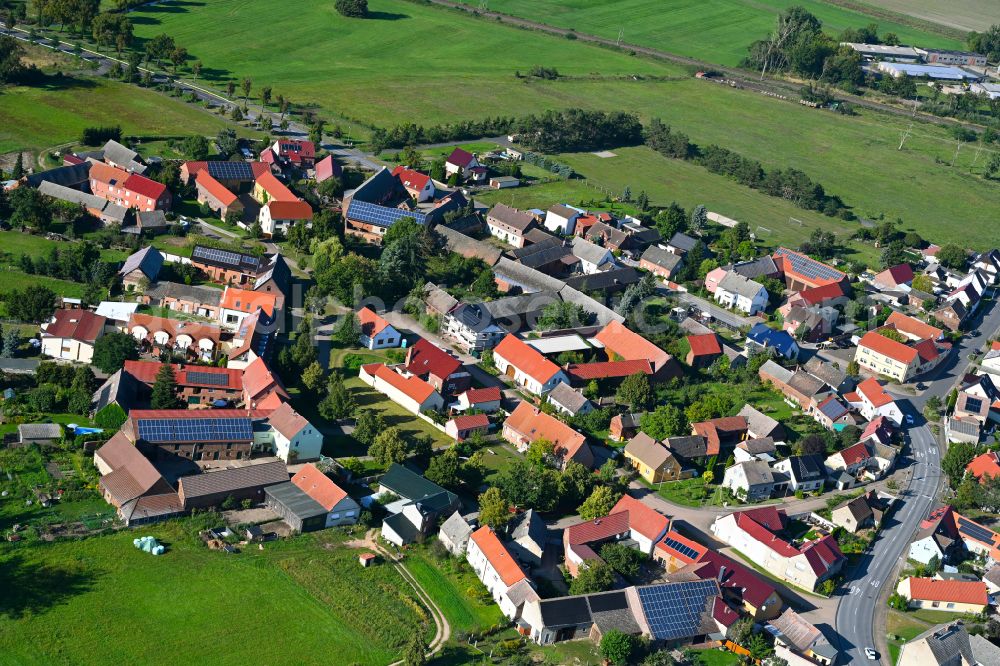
[
  {"x": 82, "y": 602},
  {"x": 717, "y": 31},
  {"x": 38, "y": 118},
  {"x": 964, "y": 15},
  {"x": 355, "y": 68}
]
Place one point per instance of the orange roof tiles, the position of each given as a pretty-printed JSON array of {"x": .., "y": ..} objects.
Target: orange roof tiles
[
  {"x": 319, "y": 486},
  {"x": 534, "y": 425},
  {"x": 258, "y": 379},
  {"x": 215, "y": 188},
  {"x": 525, "y": 358},
  {"x": 645, "y": 520},
  {"x": 631, "y": 346},
  {"x": 498, "y": 556},
  {"x": 275, "y": 188},
  {"x": 912, "y": 327},
  {"x": 874, "y": 392},
  {"x": 371, "y": 323},
  {"x": 880, "y": 344},
  {"x": 244, "y": 300},
  {"x": 412, "y": 387},
  {"x": 669, "y": 549},
  {"x": 954, "y": 591},
  {"x": 704, "y": 345},
  {"x": 986, "y": 464},
  {"x": 105, "y": 173},
  {"x": 290, "y": 210}
]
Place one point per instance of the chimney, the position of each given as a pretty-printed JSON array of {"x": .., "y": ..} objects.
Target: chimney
[{"x": 722, "y": 573}]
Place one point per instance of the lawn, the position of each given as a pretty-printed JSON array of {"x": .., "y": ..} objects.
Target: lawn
[
  {"x": 717, "y": 31},
  {"x": 354, "y": 68},
  {"x": 963, "y": 15},
  {"x": 449, "y": 584},
  {"x": 82, "y": 602},
  {"x": 717, "y": 658},
  {"x": 40, "y": 118},
  {"x": 903, "y": 628},
  {"x": 691, "y": 492}
]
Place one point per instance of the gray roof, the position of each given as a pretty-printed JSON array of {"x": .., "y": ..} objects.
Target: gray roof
[
  {"x": 773, "y": 369},
  {"x": 648, "y": 451},
  {"x": 682, "y": 241},
  {"x": 28, "y": 431},
  {"x": 468, "y": 246},
  {"x": 563, "y": 211},
  {"x": 456, "y": 528},
  {"x": 568, "y": 397},
  {"x": 541, "y": 254},
  {"x": 63, "y": 193},
  {"x": 604, "y": 314},
  {"x": 115, "y": 212},
  {"x": 859, "y": 508},
  {"x": 297, "y": 502},
  {"x": 832, "y": 376},
  {"x": 528, "y": 525},
  {"x": 616, "y": 278},
  {"x": 151, "y": 219},
  {"x": 986, "y": 653},
  {"x": 401, "y": 525},
  {"x": 185, "y": 292},
  {"x": 229, "y": 480},
  {"x": 588, "y": 251},
  {"x": 796, "y": 630},
  {"x": 123, "y": 157},
  {"x": 806, "y": 468},
  {"x": 758, "y": 422},
  {"x": 662, "y": 258},
  {"x": 512, "y": 217},
  {"x": 964, "y": 426},
  {"x": 805, "y": 383},
  {"x": 148, "y": 260},
  {"x": 438, "y": 298},
  {"x": 408, "y": 485},
  {"x": 757, "y": 445},
  {"x": 737, "y": 284},
  {"x": 64, "y": 175},
  {"x": 276, "y": 269},
  {"x": 121, "y": 388},
  {"x": 19, "y": 366},
  {"x": 518, "y": 306},
  {"x": 757, "y": 472},
  {"x": 525, "y": 277},
  {"x": 759, "y": 267},
  {"x": 949, "y": 645}
]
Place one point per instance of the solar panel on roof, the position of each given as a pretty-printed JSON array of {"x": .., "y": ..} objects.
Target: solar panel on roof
[
  {"x": 973, "y": 404},
  {"x": 810, "y": 267},
  {"x": 977, "y": 532},
  {"x": 674, "y": 610},
  {"x": 683, "y": 549},
  {"x": 612, "y": 601},
  {"x": 230, "y": 170},
  {"x": 210, "y": 378},
  {"x": 382, "y": 216},
  {"x": 234, "y": 259},
  {"x": 195, "y": 430}
]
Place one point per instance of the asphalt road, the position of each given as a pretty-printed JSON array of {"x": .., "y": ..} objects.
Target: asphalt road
[{"x": 863, "y": 596}]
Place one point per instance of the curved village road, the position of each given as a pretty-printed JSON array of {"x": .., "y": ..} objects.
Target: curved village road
[{"x": 862, "y": 606}]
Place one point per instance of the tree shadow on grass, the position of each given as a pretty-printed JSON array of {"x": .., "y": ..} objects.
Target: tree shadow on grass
[
  {"x": 387, "y": 16},
  {"x": 30, "y": 589}
]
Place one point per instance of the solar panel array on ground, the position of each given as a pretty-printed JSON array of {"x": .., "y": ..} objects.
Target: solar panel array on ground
[
  {"x": 674, "y": 610},
  {"x": 382, "y": 216},
  {"x": 208, "y": 378},
  {"x": 810, "y": 268},
  {"x": 230, "y": 170},
  {"x": 231, "y": 429}
]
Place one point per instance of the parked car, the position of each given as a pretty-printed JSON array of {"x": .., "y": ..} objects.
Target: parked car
[{"x": 871, "y": 654}]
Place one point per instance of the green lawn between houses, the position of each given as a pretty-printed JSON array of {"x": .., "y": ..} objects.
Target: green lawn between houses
[
  {"x": 449, "y": 583},
  {"x": 717, "y": 31},
  {"x": 100, "y": 600}
]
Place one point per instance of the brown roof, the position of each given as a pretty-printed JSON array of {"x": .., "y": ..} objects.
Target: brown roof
[
  {"x": 132, "y": 474},
  {"x": 535, "y": 425},
  {"x": 319, "y": 486},
  {"x": 79, "y": 325},
  {"x": 228, "y": 480},
  {"x": 287, "y": 421},
  {"x": 648, "y": 451},
  {"x": 631, "y": 346}
]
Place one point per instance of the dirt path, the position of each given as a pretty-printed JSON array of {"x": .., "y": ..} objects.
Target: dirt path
[{"x": 441, "y": 625}]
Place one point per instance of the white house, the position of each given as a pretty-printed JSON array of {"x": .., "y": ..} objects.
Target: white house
[
  {"x": 376, "y": 332},
  {"x": 526, "y": 366},
  {"x": 561, "y": 219},
  {"x": 805, "y": 473},
  {"x": 295, "y": 439},
  {"x": 750, "y": 481},
  {"x": 340, "y": 508},
  {"x": 71, "y": 335},
  {"x": 407, "y": 391},
  {"x": 463, "y": 163},
  {"x": 592, "y": 256},
  {"x": 455, "y": 533},
  {"x": 499, "y": 571},
  {"x": 509, "y": 224},
  {"x": 279, "y": 216},
  {"x": 876, "y": 401},
  {"x": 737, "y": 292},
  {"x": 417, "y": 185},
  {"x": 568, "y": 400}
]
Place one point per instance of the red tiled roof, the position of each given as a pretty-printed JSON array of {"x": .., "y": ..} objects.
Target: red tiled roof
[
  {"x": 986, "y": 464},
  {"x": 896, "y": 275},
  {"x": 287, "y": 421},
  {"x": 326, "y": 168},
  {"x": 243, "y": 300},
  {"x": 174, "y": 327},
  {"x": 926, "y": 350},
  {"x": 469, "y": 421},
  {"x": 734, "y": 576},
  {"x": 643, "y": 519},
  {"x": 912, "y": 326},
  {"x": 107, "y": 174},
  {"x": 145, "y": 186},
  {"x": 712, "y": 431},
  {"x": 607, "y": 369},
  {"x": 146, "y": 371},
  {"x": 534, "y": 425},
  {"x": 723, "y": 614},
  {"x": 786, "y": 266},
  {"x": 880, "y": 427},
  {"x": 371, "y": 323},
  {"x": 995, "y": 345},
  {"x": 874, "y": 392},
  {"x": 258, "y": 379},
  {"x": 490, "y": 394},
  {"x": 275, "y": 188},
  {"x": 79, "y": 325},
  {"x": 822, "y": 554},
  {"x": 882, "y": 345},
  {"x": 296, "y": 150},
  {"x": 855, "y": 453},
  {"x": 761, "y": 525},
  {"x": 290, "y": 210},
  {"x": 704, "y": 345},
  {"x": 411, "y": 178},
  {"x": 598, "y": 529},
  {"x": 684, "y": 541},
  {"x": 954, "y": 591},
  {"x": 215, "y": 188},
  {"x": 319, "y": 486},
  {"x": 498, "y": 556},
  {"x": 525, "y": 358},
  {"x": 412, "y": 387},
  {"x": 425, "y": 358},
  {"x": 460, "y": 158},
  {"x": 631, "y": 346},
  {"x": 816, "y": 295}
]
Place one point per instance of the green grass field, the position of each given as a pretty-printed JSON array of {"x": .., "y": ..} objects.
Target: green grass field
[
  {"x": 409, "y": 63},
  {"x": 959, "y": 14},
  {"x": 717, "y": 31},
  {"x": 448, "y": 583},
  {"x": 101, "y": 600},
  {"x": 40, "y": 118}
]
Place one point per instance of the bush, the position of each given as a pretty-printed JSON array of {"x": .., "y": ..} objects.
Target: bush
[
  {"x": 352, "y": 8},
  {"x": 96, "y": 136}
]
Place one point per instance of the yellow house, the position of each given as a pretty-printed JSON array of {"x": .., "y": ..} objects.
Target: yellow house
[
  {"x": 653, "y": 461},
  {"x": 884, "y": 356},
  {"x": 953, "y": 596}
]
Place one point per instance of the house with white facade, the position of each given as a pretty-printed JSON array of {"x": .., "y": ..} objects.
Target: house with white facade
[
  {"x": 407, "y": 391},
  {"x": 875, "y": 401},
  {"x": 509, "y": 224},
  {"x": 757, "y": 534},
  {"x": 498, "y": 570},
  {"x": 593, "y": 258},
  {"x": 561, "y": 219},
  {"x": 71, "y": 335},
  {"x": 750, "y": 481},
  {"x": 295, "y": 439},
  {"x": 340, "y": 508},
  {"x": 376, "y": 332},
  {"x": 526, "y": 366},
  {"x": 737, "y": 292}
]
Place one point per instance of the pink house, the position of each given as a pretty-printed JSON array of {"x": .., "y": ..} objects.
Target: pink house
[{"x": 713, "y": 279}]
